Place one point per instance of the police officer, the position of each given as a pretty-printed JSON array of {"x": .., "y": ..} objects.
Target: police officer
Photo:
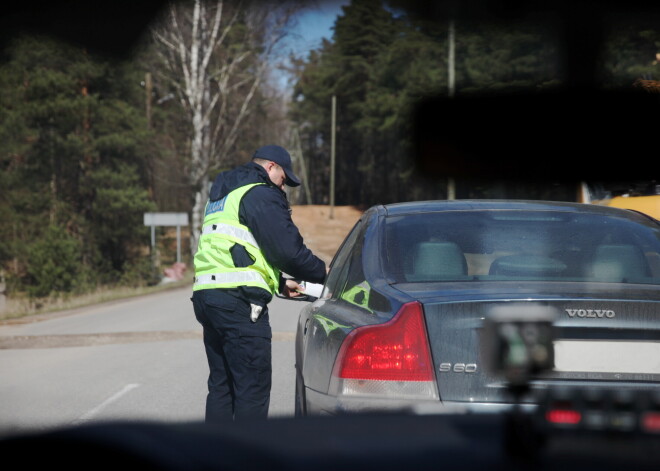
[{"x": 248, "y": 239}]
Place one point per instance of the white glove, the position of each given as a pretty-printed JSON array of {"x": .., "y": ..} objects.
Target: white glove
[{"x": 256, "y": 312}]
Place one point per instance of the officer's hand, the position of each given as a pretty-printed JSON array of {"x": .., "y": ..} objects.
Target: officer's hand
[{"x": 291, "y": 289}]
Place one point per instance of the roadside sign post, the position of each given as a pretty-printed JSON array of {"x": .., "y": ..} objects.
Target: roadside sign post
[{"x": 166, "y": 219}]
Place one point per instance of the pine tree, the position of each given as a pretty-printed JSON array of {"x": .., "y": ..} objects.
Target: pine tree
[{"x": 68, "y": 128}]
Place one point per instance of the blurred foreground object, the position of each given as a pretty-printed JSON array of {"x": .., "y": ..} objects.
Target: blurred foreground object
[
  {"x": 364, "y": 442},
  {"x": 519, "y": 342},
  {"x": 563, "y": 135}
]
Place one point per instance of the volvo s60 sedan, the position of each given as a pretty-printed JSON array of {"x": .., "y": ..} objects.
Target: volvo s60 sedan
[{"x": 403, "y": 318}]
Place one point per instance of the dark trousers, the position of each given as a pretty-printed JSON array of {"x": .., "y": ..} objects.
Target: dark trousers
[{"x": 239, "y": 355}]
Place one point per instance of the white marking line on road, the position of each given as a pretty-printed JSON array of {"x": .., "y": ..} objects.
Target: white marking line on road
[{"x": 90, "y": 414}]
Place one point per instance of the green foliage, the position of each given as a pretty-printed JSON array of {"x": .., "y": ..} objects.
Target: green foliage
[
  {"x": 74, "y": 154},
  {"x": 381, "y": 62},
  {"x": 499, "y": 58},
  {"x": 54, "y": 262},
  {"x": 630, "y": 54},
  {"x": 140, "y": 272},
  {"x": 345, "y": 69},
  {"x": 117, "y": 208}
]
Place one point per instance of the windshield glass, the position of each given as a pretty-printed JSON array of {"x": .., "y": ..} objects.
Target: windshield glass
[{"x": 521, "y": 245}]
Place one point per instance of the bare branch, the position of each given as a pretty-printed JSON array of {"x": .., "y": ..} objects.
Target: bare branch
[{"x": 216, "y": 74}]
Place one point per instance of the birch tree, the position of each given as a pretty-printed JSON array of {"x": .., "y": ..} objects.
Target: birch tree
[{"x": 215, "y": 55}]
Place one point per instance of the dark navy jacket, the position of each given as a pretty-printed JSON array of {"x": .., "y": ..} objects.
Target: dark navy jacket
[{"x": 265, "y": 210}]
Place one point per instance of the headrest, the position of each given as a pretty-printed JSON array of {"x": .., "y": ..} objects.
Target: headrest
[
  {"x": 438, "y": 260},
  {"x": 619, "y": 263}
]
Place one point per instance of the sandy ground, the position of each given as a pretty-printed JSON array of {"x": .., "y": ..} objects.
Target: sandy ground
[{"x": 322, "y": 234}]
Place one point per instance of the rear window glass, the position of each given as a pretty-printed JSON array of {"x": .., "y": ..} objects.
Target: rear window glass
[{"x": 520, "y": 245}]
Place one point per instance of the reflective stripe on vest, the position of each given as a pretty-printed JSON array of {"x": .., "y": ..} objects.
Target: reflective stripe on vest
[
  {"x": 248, "y": 276},
  {"x": 221, "y": 230},
  {"x": 232, "y": 231}
]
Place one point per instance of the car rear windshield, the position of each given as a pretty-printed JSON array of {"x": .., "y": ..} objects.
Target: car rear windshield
[{"x": 521, "y": 245}]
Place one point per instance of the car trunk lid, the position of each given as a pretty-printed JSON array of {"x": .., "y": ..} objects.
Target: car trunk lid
[{"x": 598, "y": 342}]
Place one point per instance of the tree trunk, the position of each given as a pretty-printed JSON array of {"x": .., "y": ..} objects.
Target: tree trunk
[
  {"x": 198, "y": 207},
  {"x": 215, "y": 55}
]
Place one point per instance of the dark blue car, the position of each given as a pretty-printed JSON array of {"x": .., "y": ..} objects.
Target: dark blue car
[{"x": 401, "y": 322}]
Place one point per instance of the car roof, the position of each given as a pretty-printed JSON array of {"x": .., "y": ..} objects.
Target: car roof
[{"x": 396, "y": 209}]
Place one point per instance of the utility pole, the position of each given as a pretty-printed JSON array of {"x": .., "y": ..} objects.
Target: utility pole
[
  {"x": 451, "y": 60},
  {"x": 299, "y": 155},
  {"x": 148, "y": 87},
  {"x": 332, "y": 155},
  {"x": 451, "y": 83}
]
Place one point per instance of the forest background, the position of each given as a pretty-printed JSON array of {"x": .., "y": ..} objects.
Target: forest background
[{"x": 89, "y": 143}]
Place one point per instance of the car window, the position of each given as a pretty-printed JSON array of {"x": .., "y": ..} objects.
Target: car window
[
  {"x": 355, "y": 288},
  {"x": 521, "y": 245},
  {"x": 341, "y": 263}
]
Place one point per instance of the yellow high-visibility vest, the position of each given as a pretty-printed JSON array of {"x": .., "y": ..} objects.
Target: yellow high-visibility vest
[{"x": 221, "y": 230}]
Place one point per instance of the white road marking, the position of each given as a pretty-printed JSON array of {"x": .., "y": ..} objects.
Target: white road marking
[{"x": 90, "y": 414}]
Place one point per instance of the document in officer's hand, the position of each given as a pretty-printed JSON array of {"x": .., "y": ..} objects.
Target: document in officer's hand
[{"x": 311, "y": 289}]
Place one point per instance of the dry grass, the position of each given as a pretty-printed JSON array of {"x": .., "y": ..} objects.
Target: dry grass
[
  {"x": 16, "y": 308},
  {"x": 324, "y": 230}
]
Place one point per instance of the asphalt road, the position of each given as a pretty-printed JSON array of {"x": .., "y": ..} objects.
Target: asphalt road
[{"x": 136, "y": 359}]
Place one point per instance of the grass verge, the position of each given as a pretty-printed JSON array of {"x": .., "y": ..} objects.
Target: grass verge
[{"x": 16, "y": 308}]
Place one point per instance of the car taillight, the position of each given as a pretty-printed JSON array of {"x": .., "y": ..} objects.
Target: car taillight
[
  {"x": 391, "y": 359},
  {"x": 563, "y": 416},
  {"x": 651, "y": 422}
]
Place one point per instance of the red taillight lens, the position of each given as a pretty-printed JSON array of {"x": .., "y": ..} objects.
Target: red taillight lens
[
  {"x": 395, "y": 351},
  {"x": 563, "y": 417},
  {"x": 651, "y": 422}
]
